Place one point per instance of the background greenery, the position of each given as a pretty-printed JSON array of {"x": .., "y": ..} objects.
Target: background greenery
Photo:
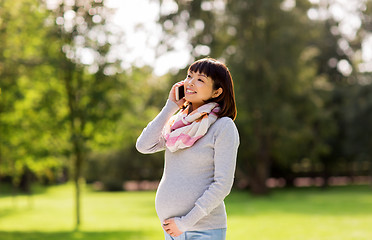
[{"x": 304, "y": 105}]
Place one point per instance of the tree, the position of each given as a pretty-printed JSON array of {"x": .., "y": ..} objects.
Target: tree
[
  {"x": 30, "y": 95},
  {"x": 337, "y": 63},
  {"x": 64, "y": 95},
  {"x": 267, "y": 47},
  {"x": 91, "y": 89},
  {"x": 103, "y": 101}
]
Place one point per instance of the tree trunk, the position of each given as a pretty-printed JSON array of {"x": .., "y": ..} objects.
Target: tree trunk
[
  {"x": 258, "y": 177},
  {"x": 370, "y": 171},
  {"x": 259, "y": 172},
  {"x": 326, "y": 173},
  {"x": 77, "y": 181},
  {"x": 77, "y": 127}
]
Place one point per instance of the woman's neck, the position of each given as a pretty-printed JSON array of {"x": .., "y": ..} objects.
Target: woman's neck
[{"x": 194, "y": 106}]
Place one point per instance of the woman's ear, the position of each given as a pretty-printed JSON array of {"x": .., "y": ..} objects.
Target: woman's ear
[{"x": 217, "y": 92}]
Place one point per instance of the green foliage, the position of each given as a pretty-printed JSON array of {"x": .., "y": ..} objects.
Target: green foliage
[
  {"x": 358, "y": 114},
  {"x": 114, "y": 158},
  {"x": 31, "y": 95},
  {"x": 114, "y": 168}
]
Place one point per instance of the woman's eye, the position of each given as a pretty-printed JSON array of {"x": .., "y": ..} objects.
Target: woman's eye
[
  {"x": 189, "y": 76},
  {"x": 200, "y": 80}
]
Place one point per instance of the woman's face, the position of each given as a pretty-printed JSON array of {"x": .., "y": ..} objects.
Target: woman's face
[{"x": 199, "y": 88}]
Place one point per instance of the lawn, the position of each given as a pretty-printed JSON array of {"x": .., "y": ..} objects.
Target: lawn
[{"x": 340, "y": 213}]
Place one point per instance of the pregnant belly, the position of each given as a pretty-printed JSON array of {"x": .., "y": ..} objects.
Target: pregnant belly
[{"x": 176, "y": 199}]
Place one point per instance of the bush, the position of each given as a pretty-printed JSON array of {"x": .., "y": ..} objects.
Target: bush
[{"x": 114, "y": 168}]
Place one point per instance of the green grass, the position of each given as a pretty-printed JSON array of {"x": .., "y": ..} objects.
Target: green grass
[
  {"x": 337, "y": 214},
  {"x": 340, "y": 213}
]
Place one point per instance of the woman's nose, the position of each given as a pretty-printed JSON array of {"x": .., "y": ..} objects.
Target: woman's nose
[{"x": 191, "y": 81}]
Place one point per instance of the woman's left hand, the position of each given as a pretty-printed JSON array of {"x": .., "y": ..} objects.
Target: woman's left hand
[{"x": 171, "y": 228}]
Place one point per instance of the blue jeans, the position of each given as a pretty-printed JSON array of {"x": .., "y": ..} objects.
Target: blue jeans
[{"x": 213, "y": 234}]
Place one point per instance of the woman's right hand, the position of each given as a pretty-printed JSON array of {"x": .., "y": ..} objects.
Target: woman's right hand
[{"x": 172, "y": 94}]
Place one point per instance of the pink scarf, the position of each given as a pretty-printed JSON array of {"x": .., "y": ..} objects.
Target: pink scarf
[{"x": 184, "y": 129}]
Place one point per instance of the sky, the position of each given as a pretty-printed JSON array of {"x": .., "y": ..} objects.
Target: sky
[{"x": 140, "y": 45}]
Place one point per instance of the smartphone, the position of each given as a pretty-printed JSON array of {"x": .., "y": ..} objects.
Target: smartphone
[{"x": 180, "y": 92}]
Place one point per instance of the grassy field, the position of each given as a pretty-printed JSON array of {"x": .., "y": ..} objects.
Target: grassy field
[{"x": 340, "y": 213}]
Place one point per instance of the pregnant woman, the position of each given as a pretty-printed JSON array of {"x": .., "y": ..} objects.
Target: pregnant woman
[{"x": 200, "y": 140}]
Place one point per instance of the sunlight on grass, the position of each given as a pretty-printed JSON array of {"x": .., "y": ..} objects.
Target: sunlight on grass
[
  {"x": 101, "y": 211},
  {"x": 340, "y": 213}
]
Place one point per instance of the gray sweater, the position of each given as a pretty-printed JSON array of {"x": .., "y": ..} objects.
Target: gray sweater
[{"x": 197, "y": 179}]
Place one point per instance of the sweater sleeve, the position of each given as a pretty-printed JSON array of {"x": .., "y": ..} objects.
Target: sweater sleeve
[
  {"x": 151, "y": 139},
  {"x": 226, "y": 147}
]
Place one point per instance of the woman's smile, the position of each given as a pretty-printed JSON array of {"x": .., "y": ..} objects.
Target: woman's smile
[{"x": 189, "y": 91}]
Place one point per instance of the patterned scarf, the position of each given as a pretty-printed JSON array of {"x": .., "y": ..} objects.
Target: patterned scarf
[{"x": 184, "y": 129}]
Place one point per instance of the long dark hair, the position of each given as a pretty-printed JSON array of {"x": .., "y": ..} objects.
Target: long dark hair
[{"x": 221, "y": 77}]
